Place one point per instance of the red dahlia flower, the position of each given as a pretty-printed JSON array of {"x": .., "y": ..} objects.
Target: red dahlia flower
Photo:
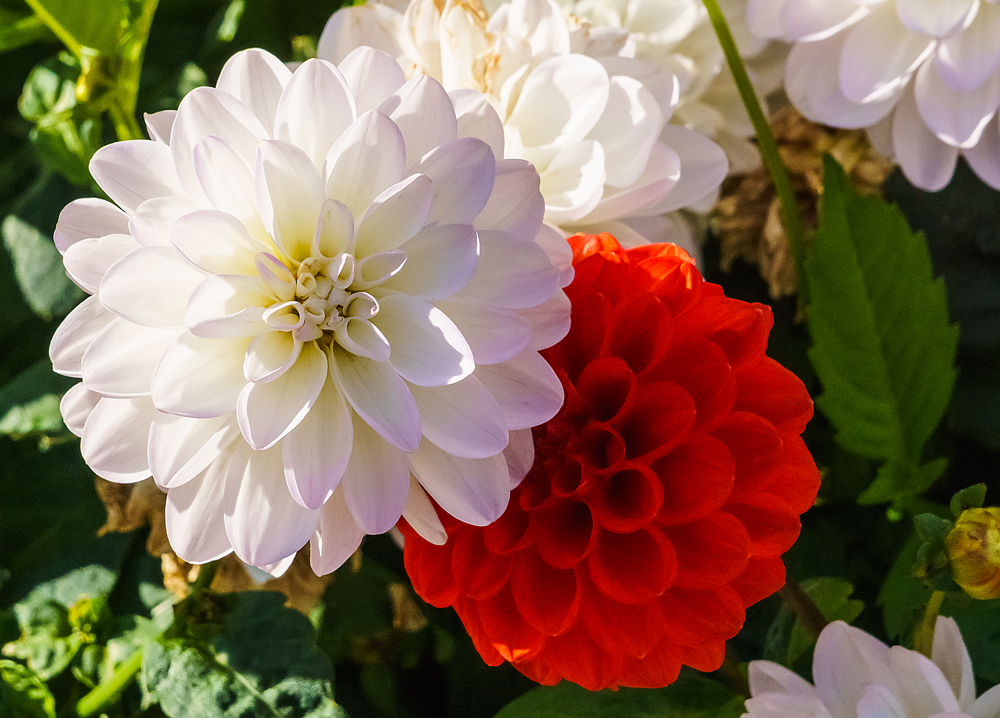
[{"x": 661, "y": 497}]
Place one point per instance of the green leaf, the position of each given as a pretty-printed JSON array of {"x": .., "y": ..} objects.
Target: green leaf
[
  {"x": 903, "y": 596},
  {"x": 883, "y": 348},
  {"x": 29, "y": 404},
  {"x": 833, "y": 598},
  {"x": 95, "y": 24},
  {"x": 23, "y": 694},
  {"x": 261, "y": 660},
  {"x": 691, "y": 696},
  {"x": 19, "y": 29}
]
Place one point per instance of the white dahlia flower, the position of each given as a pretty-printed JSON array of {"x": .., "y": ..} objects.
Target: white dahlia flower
[
  {"x": 922, "y": 75},
  {"x": 592, "y": 122},
  {"x": 858, "y": 676},
  {"x": 677, "y": 35},
  {"x": 318, "y": 297}
]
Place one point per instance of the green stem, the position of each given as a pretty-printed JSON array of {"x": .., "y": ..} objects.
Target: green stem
[
  {"x": 923, "y": 641},
  {"x": 108, "y": 691},
  {"x": 804, "y": 608},
  {"x": 790, "y": 217},
  {"x": 122, "y": 109}
]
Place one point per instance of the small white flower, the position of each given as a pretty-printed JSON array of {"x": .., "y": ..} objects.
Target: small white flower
[
  {"x": 923, "y": 76},
  {"x": 319, "y": 296},
  {"x": 858, "y": 676},
  {"x": 592, "y": 122}
]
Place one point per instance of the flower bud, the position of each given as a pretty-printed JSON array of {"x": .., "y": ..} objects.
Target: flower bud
[{"x": 973, "y": 548}]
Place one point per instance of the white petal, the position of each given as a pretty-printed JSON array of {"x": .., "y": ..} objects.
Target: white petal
[
  {"x": 936, "y": 17},
  {"x": 462, "y": 419},
  {"x": 315, "y": 453},
  {"x": 427, "y": 348},
  {"x": 150, "y": 223},
  {"x": 549, "y": 321},
  {"x": 463, "y": 173},
  {"x": 207, "y": 111},
  {"x": 315, "y": 109},
  {"x": 150, "y": 286},
  {"x": 255, "y": 78},
  {"x": 519, "y": 455},
  {"x": 159, "y": 124},
  {"x": 337, "y": 533},
  {"x": 845, "y": 662},
  {"x": 650, "y": 191},
  {"x": 952, "y": 657},
  {"x": 493, "y": 334},
  {"x": 228, "y": 306},
  {"x": 76, "y": 405},
  {"x": 526, "y": 388},
  {"x": 812, "y": 80},
  {"x": 554, "y": 244},
  {"x": 376, "y": 481},
  {"x": 476, "y": 118},
  {"x": 516, "y": 204},
  {"x": 215, "y": 241},
  {"x": 88, "y": 260},
  {"x": 879, "y": 702},
  {"x": 263, "y": 521},
  {"x": 573, "y": 182},
  {"x": 987, "y": 705},
  {"x": 812, "y": 20},
  {"x": 395, "y": 215},
  {"x": 627, "y": 130},
  {"x": 510, "y": 273},
  {"x": 984, "y": 158},
  {"x": 180, "y": 448},
  {"x": 561, "y": 100},
  {"x": 925, "y": 160},
  {"x": 957, "y": 118},
  {"x": 267, "y": 412},
  {"x": 121, "y": 359},
  {"x": 368, "y": 158},
  {"x": 194, "y": 518},
  {"x": 372, "y": 76},
  {"x": 768, "y": 677},
  {"x": 226, "y": 178},
  {"x": 198, "y": 377},
  {"x": 114, "y": 439},
  {"x": 764, "y": 18},
  {"x": 966, "y": 59},
  {"x": 379, "y": 396},
  {"x": 703, "y": 167},
  {"x": 71, "y": 339},
  {"x": 424, "y": 113},
  {"x": 879, "y": 55},
  {"x": 334, "y": 231},
  {"x": 289, "y": 196},
  {"x": 86, "y": 218},
  {"x": 374, "y": 25},
  {"x": 133, "y": 171},
  {"x": 475, "y": 491},
  {"x": 421, "y": 515},
  {"x": 927, "y": 689},
  {"x": 440, "y": 260}
]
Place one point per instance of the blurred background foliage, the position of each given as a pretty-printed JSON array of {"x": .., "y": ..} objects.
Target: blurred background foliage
[{"x": 82, "y": 614}]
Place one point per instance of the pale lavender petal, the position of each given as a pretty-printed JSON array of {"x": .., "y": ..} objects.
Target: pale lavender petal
[
  {"x": 150, "y": 224},
  {"x": 475, "y": 491},
  {"x": 957, "y": 118},
  {"x": 75, "y": 407},
  {"x": 440, "y": 260},
  {"x": 375, "y": 25},
  {"x": 114, "y": 439},
  {"x": 198, "y": 377},
  {"x": 255, "y": 78},
  {"x": 925, "y": 160},
  {"x": 86, "y": 218},
  {"x": 229, "y": 306},
  {"x": 315, "y": 109},
  {"x": 952, "y": 657},
  {"x": 516, "y": 204},
  {"x": 133, "y": 171},
  {"x": 421, "y": 515},
  {"x": 337, "y": 534},
  {"x": 225, "y": 178},
  {"x": 966, "y": 59},
  {"x": 72, "y": 337},
  {"x": 510, "y": 273},
  {"x": 462, "y": 419},
  {"x": 372, "y": 75},
  {"x": 180, "y": 448},
  {"x": 376, "y": 481},
  {"x": 159, "y": 124},
  {"x": 549, "y": 320},
  {"x": 215, "y": 241},
  {"x": 368, "y": 158},
  {"x": 289, "y": 196},
  {"x": 463, "y": 173},
  {"x": 493, "y": 334},
  {"x": 984, "y": 158},
  {"x": 269, "y": 355},
  {"x": 150, "y": 286},
  {"x": 476, "y": 118},
  {"x": 316, "y": 452},
  {"x": 936, "y": 17},
  {"x": 424, "y": 114},
  {"x": 121, "y": 359},
  {"x": 395, "y": 215},
  {"x": 88, "y": 260},
  {"x": 519, "y": 455},
  {"x": 195, "y": 523},
  {"x": 526, "y": 388}
]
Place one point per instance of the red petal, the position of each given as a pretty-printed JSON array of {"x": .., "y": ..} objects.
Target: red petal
[
  {"x": 739, "y": 328},
  {"x": 762, "y": 577},
  {"x": 695, "y": 618},
  {"x": 697, "y": 479},
  {"x": 628, "y": 499},
  {"x": 504, "y": 630},
  {"x": 509, "y": 533},
  {"x": 606, "y": 385},
  {"x": 629, "y": 630},
  {"x": 548, "y": 598},
  {"x": 704, "y": 658},
  {"x": 563, "y": 533},
  {"x": 601, "y": 447},
  {"x": 479, "y": 573},
  {"x": 640, "y": 330},
  {"x": 711, "y": 551},
  {"x": 588, "y": 322},
  {"x": 659, "y": 668},
  {"x": 577, "y": 658},
  {"x": 794, "y": 477},
  {"x": 633, "y": 568},
  {"x": 756, "y": 448},
  {"x": 657, "y": 420},
  {"x": 771, "y": 525},
  {"x": 429, "y": 568},
  {"x": 702, "y": 368},
  {"x": 771, "y": 391}
]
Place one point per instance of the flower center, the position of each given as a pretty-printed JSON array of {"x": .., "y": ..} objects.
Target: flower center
[{"x": 325, "y": 299}]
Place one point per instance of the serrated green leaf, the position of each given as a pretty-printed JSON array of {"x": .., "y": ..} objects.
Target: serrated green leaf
[
  {"x": 262, "y": 660},
  {"x": 882, "y": 345},
  {"x": 23, "y": 694},
  {"x": 691, "y": 696}
]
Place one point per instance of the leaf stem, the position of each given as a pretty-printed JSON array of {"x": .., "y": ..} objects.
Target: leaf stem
[
  {"x": 923, "y": 641},
  {"x": 790, "y": 216},
  {"x": 107, "y": 691},
  {"x": 804, "y": 608}
]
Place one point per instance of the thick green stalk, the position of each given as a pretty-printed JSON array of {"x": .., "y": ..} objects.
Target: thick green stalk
[
  {"x": 790, "y": 217},
  {"x": 108, "y": 691}
]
